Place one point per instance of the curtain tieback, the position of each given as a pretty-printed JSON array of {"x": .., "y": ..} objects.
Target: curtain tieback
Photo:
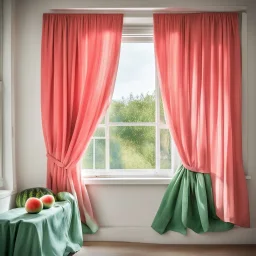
[
  {"x": 190, "y": 168},
  {"x": 193, "y": 169},
  {"x": 56, "y": 161}
]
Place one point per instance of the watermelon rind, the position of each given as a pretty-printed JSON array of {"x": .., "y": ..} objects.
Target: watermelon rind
[{"x": 38, "y": 192}]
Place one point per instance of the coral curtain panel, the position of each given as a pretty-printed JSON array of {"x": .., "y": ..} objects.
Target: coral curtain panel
[
  {"x": 80, "y": 54},
  {"x": 199, "y": 65}
]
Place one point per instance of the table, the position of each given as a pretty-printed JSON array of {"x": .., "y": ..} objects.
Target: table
[{"x": 52, "y": 232}]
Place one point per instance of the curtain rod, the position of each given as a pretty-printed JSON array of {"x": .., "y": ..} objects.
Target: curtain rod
[{"x": 144, "y": 11}]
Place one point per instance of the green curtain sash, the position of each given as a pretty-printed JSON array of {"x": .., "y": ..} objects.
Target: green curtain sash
[{"x": 188, "y": 203}]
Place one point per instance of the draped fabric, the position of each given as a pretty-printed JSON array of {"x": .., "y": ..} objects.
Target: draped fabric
[
  {"x": 52, "y": 232},
  {"x": 80, "y": 54},
  {"x": 188, "y": 203},
  {"x": 199, "y": 65}
]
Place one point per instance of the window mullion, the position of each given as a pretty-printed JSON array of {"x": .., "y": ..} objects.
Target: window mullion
[
  {"x": 107, "y": 141},
  {"x": 132, "y": 124},
  {"x": 157, "y": 125},
  {"x": 93, "y": 154}
]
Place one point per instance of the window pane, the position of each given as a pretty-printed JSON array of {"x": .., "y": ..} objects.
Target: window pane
[
  {"x": 165, "y": 149},
  {"x": 100, "y": 154},
  {"x": 132, "y": 147},
  {"x": 100, "y": 132},
  {"x": 88, "y": 157},
  {"x": 134, "y": 95},
  {"x": 103, "y": 120},
  {"x": 162, "y": 116}
]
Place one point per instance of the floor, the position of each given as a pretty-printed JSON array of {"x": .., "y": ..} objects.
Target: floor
[{"x": 136, "y": 249}]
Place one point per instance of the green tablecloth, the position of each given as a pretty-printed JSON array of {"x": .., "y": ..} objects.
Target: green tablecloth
[{"x": 53, "y": 232}]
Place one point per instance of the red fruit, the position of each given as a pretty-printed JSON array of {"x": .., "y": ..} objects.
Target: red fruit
[
  {"x": 33, "y": 205},
  {"x": 48, "y": 201}
]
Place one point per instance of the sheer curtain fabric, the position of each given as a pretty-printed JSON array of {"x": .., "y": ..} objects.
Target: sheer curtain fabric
[
  {"x": 199, "y": 64},
  {"x": 80, "y": 54}
]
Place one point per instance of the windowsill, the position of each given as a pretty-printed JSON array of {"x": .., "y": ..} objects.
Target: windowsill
[
  {"x": 126, "y": 180},
  {"x": 6, "y": 193},
  {"x": 130, "y": 181}
]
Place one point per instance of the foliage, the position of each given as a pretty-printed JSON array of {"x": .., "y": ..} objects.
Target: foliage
[
  {"x": 136, "y": 141},
  {"x": 133, "y": 109},
  {"x": 131, "y": 147}
]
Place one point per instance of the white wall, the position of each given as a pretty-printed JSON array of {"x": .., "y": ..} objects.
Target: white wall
[{"x": 124, "y": 212}]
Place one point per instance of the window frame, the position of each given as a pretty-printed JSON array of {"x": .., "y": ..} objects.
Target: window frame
[
  {"x": 133, "y": 177},
  {"x": 134, "y": 34},
  {"x": 1, "y": 136},
  {"x": 1, "y": 95}
]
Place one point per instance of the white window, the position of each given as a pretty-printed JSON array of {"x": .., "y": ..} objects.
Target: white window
[
  {"x": 1, "y": 137},
  {"x": 133, "y": 138}
]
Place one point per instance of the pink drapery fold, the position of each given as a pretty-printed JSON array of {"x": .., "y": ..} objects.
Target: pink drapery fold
[
  {"x": 199, "y": 65},
  {"x": 80, "y": 54}
]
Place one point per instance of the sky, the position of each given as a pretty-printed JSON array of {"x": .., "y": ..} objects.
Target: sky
[{"x": 136, "y": 70}]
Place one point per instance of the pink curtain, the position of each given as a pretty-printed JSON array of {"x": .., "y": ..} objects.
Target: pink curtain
[
  {"x": 199, "y": 64},
  {"x": 80, "y": 54}
]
